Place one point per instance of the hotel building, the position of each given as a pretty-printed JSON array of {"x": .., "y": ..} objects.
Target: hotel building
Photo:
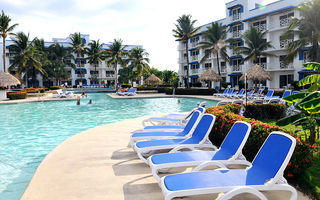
[
  {"x": 240, "y": 16},
  {"x": 83, "y": 71}
]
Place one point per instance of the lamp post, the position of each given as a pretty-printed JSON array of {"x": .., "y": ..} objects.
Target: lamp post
[{"x": 245, "y": 86}]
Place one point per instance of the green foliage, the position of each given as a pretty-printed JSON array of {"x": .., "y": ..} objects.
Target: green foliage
[
  {"x": 17, "y": 95},
  {"x": 227, "y": 115},
  {"x": 139, "y": 61},
  {"x": 313, "y": 79},
  {"x": 310, "y": 180},
  {"x": 265, "y": 111},
  {"x": 308, "y": 105},
  {"x": 190, "y": 91},
  {"x": 126, "y": 86}
]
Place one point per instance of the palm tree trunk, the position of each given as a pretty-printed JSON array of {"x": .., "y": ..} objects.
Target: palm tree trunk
[
  {"x": 95, "y": 70},
  {"x": 4, "y": 54},
  {"x": 116, "y": 75},
  {"x": 187, "y": 48},
  {"x": 34, "y": 80},
  {"x": 218, "y": 64}
]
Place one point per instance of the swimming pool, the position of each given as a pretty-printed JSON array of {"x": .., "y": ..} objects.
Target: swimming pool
[{"x": 29, "y": 131}]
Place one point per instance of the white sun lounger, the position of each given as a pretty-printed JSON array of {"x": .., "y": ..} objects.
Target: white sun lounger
[
  {"x": 265, "y": 174},
  {"x": 198, "y": 139},
  {"x": 229, "y": 153}
]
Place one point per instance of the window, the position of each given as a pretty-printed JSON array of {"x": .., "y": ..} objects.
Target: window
[
  {"x": 109, "y": 73},
  {"x": 207, "y": 52},
  {"x": 207, "y": 65},
  {"x": 195, "y": 66},
  {"x": 260, "y": 25},
  {"x": 236, "y": 62},
  {"x": 237, "y": 30},
  {"x": 94, "y": 72},
  {"x": 286, "y": 19},
  {"x": 185, "y": 67},
  {"x": 236, "y": 14},
  {"x": 223, "y": 64},
  {"x": 285, "y": 80},
  {"x": 185, "y": 55},
  {"x": 305, "y": 56},
  {"x": 282, "y": 61},
  {"x": 262, "y": 60},
  {"x": 238, "y": 43}
]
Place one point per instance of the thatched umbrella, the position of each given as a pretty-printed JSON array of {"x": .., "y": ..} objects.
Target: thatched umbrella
[
  {"x": 153, "y": 78},
  {"x": 210, "y": 75},
  {"x": 6, "y": 80},
  {"x": 256, "y": 73}
]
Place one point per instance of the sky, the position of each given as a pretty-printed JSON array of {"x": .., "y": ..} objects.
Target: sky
[{"x": 136, "y": 22}]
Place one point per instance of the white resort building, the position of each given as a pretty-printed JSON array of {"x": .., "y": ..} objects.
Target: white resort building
[
  {"x": 240, "y": 16},
  {"x": 83, "y": 71}
]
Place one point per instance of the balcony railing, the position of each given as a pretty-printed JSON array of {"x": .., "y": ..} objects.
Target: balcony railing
[
  {"x": 110, "y": 75},
  {"x": 236, "y": 17},
  {"x": 236, "y": 68},
  {"x": 195, "y": 71},
  {"x": 261, "y": 27},
  {"x": 236, "y": 34},
  {"x": 80, "y": 75},
  {"x": 285, "y": 22},
  {"x": 223, "y": 69},
  {"x": 284, "y": 43},
  {"x": 194, "y": 58},
  {"x": 193, "y": 44}
]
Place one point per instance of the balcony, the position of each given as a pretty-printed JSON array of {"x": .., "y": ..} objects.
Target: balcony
[
  {"x": 261, "y": 27},
  {"x": 236, "y": 34},
  {"x": 236, "y": 17},
  {"x": 194, "y": 58},
  {"x": 81, "y": 75},
  {"x": 278, "y": 66},
  {"x": 285, "y": 22},
  {"x": 236, "y": 68},
  {"x": 193, "y": 44},
  {"x": 110, "y": 75},
  {"x": 195, "y": 71},
  {"x": 284, "y": 43},
  {"x": 263, "y": 65},
  {"x": 223, "y": 69}
]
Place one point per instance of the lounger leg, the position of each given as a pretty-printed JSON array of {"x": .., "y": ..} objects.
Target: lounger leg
[
  {"x": 142, "y": 158},
  {"x": 241, "y": 190}
]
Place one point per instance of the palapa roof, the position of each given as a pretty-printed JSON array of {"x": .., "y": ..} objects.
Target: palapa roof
[
  {"x": 153, "y": 78},
  {"x": 257, "y": 73},
  {"x": 210, "y": 75},
  {"x": 6, "y": 79}
]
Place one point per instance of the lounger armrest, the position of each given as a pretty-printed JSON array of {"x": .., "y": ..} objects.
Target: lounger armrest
[
  {"x": 209, "y": 163},
  {"x": 178, "y": 148}
]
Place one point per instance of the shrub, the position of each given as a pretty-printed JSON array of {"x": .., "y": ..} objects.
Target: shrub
[
  {"x": 191, "y": 91},
  {"x": 31, "y": 90},
  {"x": 55, "y": 87},
  {"x": 16, "y": 95},
  {"x": 126, "y": 86},
  {"x": 159, "y": 89},
  {"x": 265, "y": 111},
  {"x": 226, "y": 117}
]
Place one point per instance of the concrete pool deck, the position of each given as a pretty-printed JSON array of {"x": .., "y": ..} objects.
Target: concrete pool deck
[{"x": 97, "y": 164}]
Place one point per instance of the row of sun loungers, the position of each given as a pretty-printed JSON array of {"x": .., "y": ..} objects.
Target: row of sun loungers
[
  {"x": 265, "y": 173},
  {"x": 130, "y": 92}
]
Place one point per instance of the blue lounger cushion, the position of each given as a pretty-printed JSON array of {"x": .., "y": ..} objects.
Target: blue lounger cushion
[{"x": 182, "y": 157}]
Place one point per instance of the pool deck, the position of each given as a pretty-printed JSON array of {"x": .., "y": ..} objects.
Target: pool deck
[
  {"x": 39, "y": 98},
  {"x": 97, "y": 164},
  {"x": 162, "y": 95}
]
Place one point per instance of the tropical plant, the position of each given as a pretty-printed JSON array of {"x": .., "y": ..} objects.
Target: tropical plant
[
  {"x": 154, "y": 71},
  {"x": 114, "y": 56},
  {"x": 256, "y": 45},
  {"x": 60, "y": 58},
  {"x": 77, "y": 45},
  {"x": 214, "y": 43},
  {"x": 5, "y": 29},
  {"x": 138, "y": 59},
  {"x": 307, "y": 115},
  {"x": 313, "y": 79},
  {"x": 169, "y": 77},
  {"x": 95, "y": 55},
  {"x": 184, "y": 31},
  {"x": 307, "y": 28},
  {"x": 26, "y": 57},
  {"x": 127, "y": 75}
]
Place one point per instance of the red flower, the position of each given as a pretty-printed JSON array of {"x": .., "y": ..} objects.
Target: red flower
[
  {"x": 290, "y": 175},
  {"x": 289, "y": 164}
]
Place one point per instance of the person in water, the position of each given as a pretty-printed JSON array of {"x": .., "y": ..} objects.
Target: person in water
[
  {"x": 84, "y": 95},
  {"x": 78, "y": 100},
  {"x": 90, "y": 101}
]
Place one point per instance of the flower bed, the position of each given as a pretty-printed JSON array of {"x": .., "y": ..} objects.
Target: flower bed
[
  {"x": 265, "y": 111},
  {"x": 16, "y": 95},
  {"x": 226, "y": 116}
]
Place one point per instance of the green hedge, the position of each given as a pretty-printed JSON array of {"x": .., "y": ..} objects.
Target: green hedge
[
  {"x": 159, "y": 89},
  {"x": 16, "y": 95},
  {"x": 191, "y": 91},
  {"x": 126, "y": 86},
  {"x": 265, "y": 111},
  {"x": 31, "y": 90},
  {"x": 55, "y": 87},
  {"x": 226, "y": 117}
]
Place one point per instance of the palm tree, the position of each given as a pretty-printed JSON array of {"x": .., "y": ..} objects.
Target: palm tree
[
  {"x": 184, "y": 31},
  {"x": 5, "y": 29},
  {"x": 95, "y": 55},
  {"x": 256, "y": 45},
  {"x": 77, "y": 45},
  {"x": 215, "y": 43},
  {"x": 114, "y": 57},
  {"x": 307, "y": 28},
  {"x": 138, "y": 58},
  {"x": 60, "y": 58},
  {"x": 26, "y": 57}
]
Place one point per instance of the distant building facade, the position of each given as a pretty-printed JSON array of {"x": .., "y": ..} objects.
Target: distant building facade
[
  {"x": 83, "y": 73},
  {"x": 240, "y": 16}
]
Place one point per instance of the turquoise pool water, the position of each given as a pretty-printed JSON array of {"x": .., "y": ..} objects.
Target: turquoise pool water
[{"x": 29, "y": 131}]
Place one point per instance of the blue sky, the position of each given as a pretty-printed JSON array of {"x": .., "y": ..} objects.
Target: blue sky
[{"x": 145, "y": 22}]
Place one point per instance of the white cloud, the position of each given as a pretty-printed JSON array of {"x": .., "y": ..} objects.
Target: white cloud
[{"x": 145, "y": 22}]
